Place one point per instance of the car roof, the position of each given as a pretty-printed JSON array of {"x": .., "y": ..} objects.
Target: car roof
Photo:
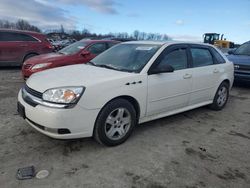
[
  {"x": 95, "y": 41},
  {"x": 21, "y": 31},
  {"x": 165, "y": 42}
]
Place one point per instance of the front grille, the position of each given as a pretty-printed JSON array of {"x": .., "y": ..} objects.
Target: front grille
[
  {"x": 243, "y": 67},
  {"x": 33, "y": 92},
  {"x": 27, "y": 66}
]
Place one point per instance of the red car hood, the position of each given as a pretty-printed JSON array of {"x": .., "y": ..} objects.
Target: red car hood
[{"x": 45, "y": 58}]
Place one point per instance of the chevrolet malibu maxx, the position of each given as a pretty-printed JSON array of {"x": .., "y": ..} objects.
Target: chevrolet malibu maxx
[{"x": 131, "y": 83}]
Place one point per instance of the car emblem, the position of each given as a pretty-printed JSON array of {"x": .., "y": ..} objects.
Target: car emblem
[{"x": 236, "y": 66}]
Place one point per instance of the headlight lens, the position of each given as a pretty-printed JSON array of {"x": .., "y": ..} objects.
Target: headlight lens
[
  {"x": 65, "y": 95},
  {"x": 41, "y": 65}
]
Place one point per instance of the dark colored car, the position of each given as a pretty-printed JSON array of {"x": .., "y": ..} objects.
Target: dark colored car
[
  {"x": 241, "y": 59},
  {"x": 17, "y": 46},
  {"x": 79, "y": 52}
]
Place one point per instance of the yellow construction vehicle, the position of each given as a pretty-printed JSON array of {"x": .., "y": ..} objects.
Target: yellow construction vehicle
[{"x": 217, "y": 40}]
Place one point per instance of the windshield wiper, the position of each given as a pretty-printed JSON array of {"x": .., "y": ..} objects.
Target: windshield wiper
[
  {"x": 108, "y": 66},
  {"x": 91, "y": 63},
  {"x": 102, "y": 65}
]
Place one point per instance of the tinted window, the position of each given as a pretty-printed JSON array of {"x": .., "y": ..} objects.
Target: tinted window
[
  {"x": 218, "y": 58},
  {"x": 97, "y": 48},
  {"x": 24, "y": 37},
  {"x": 73, "y": 48},
  {"x": 176, "y": 58},
  {"x": 110, "y": 44},
  {"x": 201, "y": 57},
  {"x": 10, "y": 36},
  {"x": 244, "y": 49}
]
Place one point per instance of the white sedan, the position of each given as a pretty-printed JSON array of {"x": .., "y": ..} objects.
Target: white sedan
[{"x": 131, "y": 83}]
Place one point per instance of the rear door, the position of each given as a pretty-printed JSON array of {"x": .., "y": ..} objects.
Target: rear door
[
  {"x": 206, "y": 73},
  {"x": 11, "y": 48},
  {"x": 170, "y": 91},
  {"x": 14, "y": 46}
]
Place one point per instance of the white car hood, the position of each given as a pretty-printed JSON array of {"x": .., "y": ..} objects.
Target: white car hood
[{"x": 74, "y": 75}]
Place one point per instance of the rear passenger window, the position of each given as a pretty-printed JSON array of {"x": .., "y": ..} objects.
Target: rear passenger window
[
  {"x": 201, "y": 57},
  {"x": 110, "y": 44},
  {"x": 11, "y": 36},
  {"x": 24, "y": 37},
  {"x": 97, "y": 48},
  {"x": 177, "y": 59}
]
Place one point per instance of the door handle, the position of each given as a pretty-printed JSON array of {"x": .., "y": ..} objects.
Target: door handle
[
  {"x": 187, "y": 76},
  {"x": 24, "y": 45},
  {"x": 216, "y": 71}
]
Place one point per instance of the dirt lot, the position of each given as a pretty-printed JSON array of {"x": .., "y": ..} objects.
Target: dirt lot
[{"x": 199, "y": 148}]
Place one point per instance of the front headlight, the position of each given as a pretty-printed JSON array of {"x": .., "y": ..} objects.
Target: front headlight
[
  {"x": 64, "y": 95},
  {"x": 41, "y": 65}
]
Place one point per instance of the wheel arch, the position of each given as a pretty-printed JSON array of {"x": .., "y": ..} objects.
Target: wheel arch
[
  {"x": 130, "y": 99},
  {"x": 27, "y": 54},
  {"x": 226, "y": 81}
]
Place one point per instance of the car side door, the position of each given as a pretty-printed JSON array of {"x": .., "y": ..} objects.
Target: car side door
[
  {"x": 206, "y": 73},
  {"x": 170, "y": 91},
  {"x": 13, "y": 48}
]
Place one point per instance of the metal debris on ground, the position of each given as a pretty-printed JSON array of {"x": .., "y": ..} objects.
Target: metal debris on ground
[{"x": 25, "y": 173}]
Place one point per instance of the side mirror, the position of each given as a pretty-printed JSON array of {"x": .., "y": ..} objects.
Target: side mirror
[
  {"x": 158, "y": 70},
  {"x": 231, "y": 51},
  {"x": 85, "y": 53}
]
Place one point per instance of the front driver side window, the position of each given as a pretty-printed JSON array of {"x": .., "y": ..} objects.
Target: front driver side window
[
  {"x": 176, "y": 58},
  {"x": 97, "y": 48}
]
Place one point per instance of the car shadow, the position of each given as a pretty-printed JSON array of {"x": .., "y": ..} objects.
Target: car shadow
[{"x": 10, "y": 68}]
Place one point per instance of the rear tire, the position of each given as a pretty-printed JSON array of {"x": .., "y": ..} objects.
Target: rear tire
[
  {"x": 115, "y": 122},
  {"x": 29, "y": 56},
  {"x": 221, "y": 97}
]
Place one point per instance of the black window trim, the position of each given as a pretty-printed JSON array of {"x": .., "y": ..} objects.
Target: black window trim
[{"x": 169, "y": 49}]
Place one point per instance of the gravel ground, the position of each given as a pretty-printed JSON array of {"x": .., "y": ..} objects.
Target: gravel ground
[{"x": 199, "y": 148}]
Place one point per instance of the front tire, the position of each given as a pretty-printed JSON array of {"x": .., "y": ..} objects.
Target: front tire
[
  {"x": 221, "y": 97},
  {"x": 115, "y": 122},
  {"x": 29, "y": 56}
]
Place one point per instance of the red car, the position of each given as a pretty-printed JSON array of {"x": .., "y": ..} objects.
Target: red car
[
  {"x": 18, "y": 46},
  {"x": 79, "y": 52}
]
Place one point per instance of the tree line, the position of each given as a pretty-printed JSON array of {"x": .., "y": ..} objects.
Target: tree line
[
  {"x": 85, "y": 33},
  {"x": 20, "y": 25}
]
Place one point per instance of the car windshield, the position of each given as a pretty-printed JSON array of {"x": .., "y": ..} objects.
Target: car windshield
[
  {"x": 73, "y": 48},
  {"x": 126, "y": 57},
  {"x": 244, "y": 49}
]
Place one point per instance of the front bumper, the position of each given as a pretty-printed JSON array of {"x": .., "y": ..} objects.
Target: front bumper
[
  {"x": 79, "y": 121},
  {"x": 26, "y": 73},
  {"x": 242, "y": 76}
]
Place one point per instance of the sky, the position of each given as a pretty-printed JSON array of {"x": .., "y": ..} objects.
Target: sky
[{"x": 185, "y": 20}]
